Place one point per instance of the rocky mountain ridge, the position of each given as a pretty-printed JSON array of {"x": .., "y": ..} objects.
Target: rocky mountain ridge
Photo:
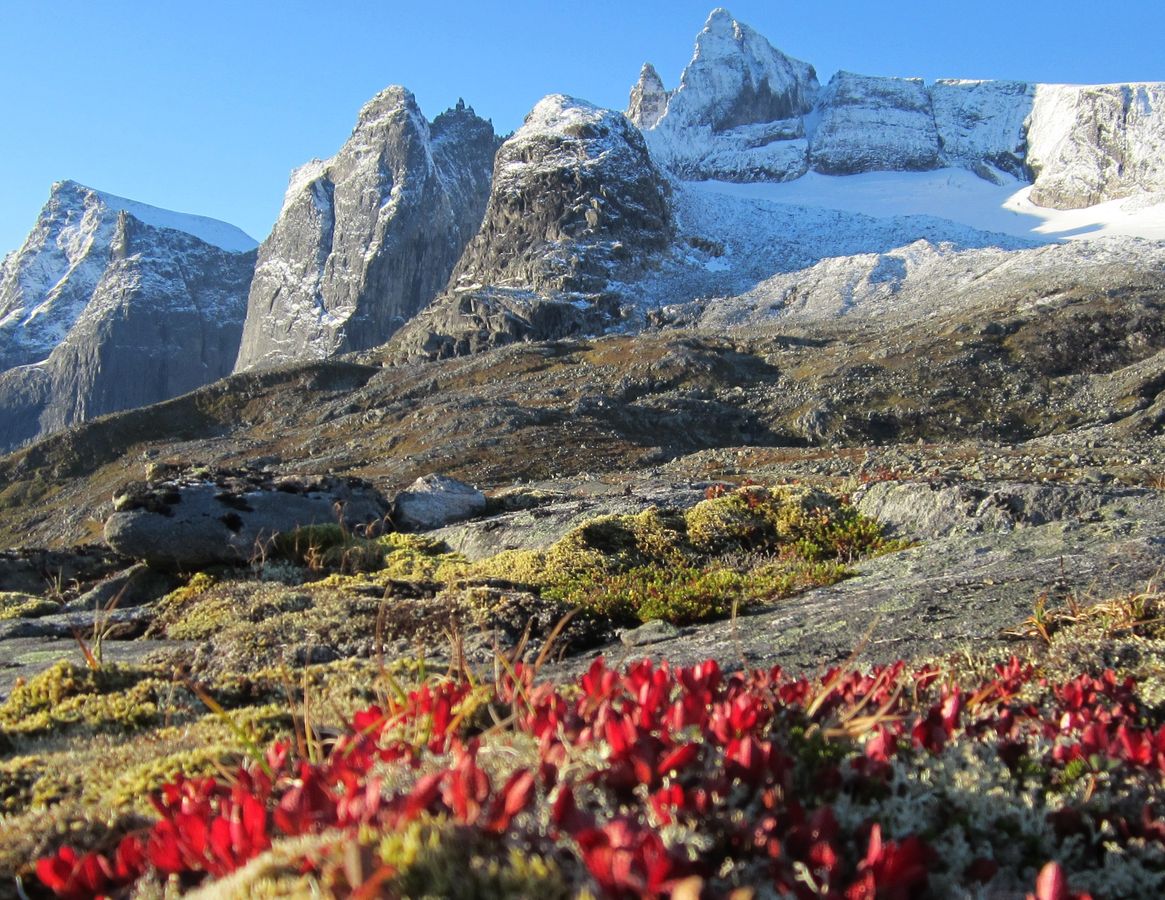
[
  {"x": 577, "y": 204},
  {"x": 1078, "y": 144},
  {"x": 419, "y": 234},
  {"x": 111, "y": 304}
]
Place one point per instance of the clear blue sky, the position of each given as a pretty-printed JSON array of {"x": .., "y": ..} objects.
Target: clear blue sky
[{"x": 205, "y": 107}]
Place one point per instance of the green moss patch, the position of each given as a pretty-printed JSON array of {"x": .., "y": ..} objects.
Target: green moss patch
[
  {"x": 15, "y": 605},
  {"x": 737, "y": 547}
]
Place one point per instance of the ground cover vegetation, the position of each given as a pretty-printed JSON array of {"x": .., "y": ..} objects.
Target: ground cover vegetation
[{"x": 301, "y": 748}]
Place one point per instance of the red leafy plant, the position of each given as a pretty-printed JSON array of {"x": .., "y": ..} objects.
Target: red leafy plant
[{"x": 657, "y": 780}]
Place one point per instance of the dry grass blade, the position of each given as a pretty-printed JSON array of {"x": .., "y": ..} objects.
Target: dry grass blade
[
  {"x": 551, "y": 640},
  {"x": 249, "y": 744}
]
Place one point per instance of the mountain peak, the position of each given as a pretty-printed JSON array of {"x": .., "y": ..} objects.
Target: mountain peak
[
  {"x": 736, "y": 77},
  {"x": 210, "y": 231},
  {"x": 720, "y": 21},
  {"x": 648, "y": 100}
]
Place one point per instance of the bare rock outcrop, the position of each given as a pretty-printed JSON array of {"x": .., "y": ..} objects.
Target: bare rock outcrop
[
  {"x": 576, "y": 205},
  {"x": 368, "y": 237}
]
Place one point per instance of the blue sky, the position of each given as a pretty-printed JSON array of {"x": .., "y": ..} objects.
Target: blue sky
[{"x": 206, "y": 107}]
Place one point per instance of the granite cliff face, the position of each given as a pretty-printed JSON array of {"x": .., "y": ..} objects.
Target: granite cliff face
[
  {"x": 874, "y": 123},
  {"x": 576, "y": 206},
  {"x": 744, "y": 111},
  {"x": 368, "y": 237},
  {"x": 111, "y": 305},
  {"x": 1091, "y": 143},
  {"x": 737, "y": 112}
]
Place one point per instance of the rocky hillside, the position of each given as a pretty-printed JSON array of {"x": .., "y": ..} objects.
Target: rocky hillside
[
  {"x": 112, "y": 304},
  {"x": 743, "y": 111},
  {"x": 368, "y": 237}
]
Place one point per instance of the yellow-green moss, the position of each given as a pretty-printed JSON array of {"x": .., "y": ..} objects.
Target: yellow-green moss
[
  {"x": 15, "y": 605},
  {"x": 436, "y": 859},
  {"x": 199, "y": 584},
  {"x": 682, "y": 595},
  {"x": 756, "y": 518},
  {"x": 67, "y": 695},
  {"x": 18, "y": 779},
  {"x": 133, "y": 787},
  {"x": 417, "y": 558}
]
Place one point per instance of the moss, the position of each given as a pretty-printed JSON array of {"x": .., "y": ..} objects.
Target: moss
[
  {"x": 133, "y": 787},
  {"x": 18, "y": 779},
  {"x": 67, "y": 695},
  {"x": 199, "y": 584},
  {"x": 683, "y": 595},
  {"x": 757, "y": 518},
  {"x": 230, "y": 605},
  {"x": 413, "y": 557},
  {"x": 247, "y": 625},
  {"x": 25, "y": 606},
  {"x": 750, "y": 545},
  {"x": 436, "y": 859}
]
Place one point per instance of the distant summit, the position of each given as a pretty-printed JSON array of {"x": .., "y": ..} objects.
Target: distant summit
[
  {"x": 744, "y": 111},
  {"x": 111, "y": 304},
  {"x": 367, "y": 238}
]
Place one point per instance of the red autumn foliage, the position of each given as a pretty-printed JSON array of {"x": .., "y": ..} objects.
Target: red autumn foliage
[{"x": 739, "y": 758}]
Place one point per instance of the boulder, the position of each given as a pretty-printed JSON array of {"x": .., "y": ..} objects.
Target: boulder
[
  {"x": 135, "y": 586},
  {"x": 193, "y": 522},
  {"x": 436, "y": 500}
]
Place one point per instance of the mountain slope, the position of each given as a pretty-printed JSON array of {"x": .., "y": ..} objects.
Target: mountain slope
[{"x": 102, "y": 311}]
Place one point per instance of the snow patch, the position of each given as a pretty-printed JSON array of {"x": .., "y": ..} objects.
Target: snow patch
[{"x": 211, "y": 231}]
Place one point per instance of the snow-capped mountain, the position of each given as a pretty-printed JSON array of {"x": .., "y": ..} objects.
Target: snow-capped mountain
[
  {"x": 748, "y": 192},
  {"x": 368, "y": 237},
  {"x": 743, "y": 111},
  {"x": 111, "y": 304}
]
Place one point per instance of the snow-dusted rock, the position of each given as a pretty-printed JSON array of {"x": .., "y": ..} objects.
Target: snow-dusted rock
[
  {"x": 870, "y": 123},
  {"x": 368, "y": 237},
  {"x": 982, "y": 122},
  {"x": 743, "y": 111},
  {"x": 737, "y": 112},
  {"x": 1088, "y": 144},
  {"x": 648, "y": 100},
  {"x": 576, "y": 204},
  {"x": 433, "y": 501},
  {"x": 112, "y": 304},
  {"x": 736, "y": 77}
]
